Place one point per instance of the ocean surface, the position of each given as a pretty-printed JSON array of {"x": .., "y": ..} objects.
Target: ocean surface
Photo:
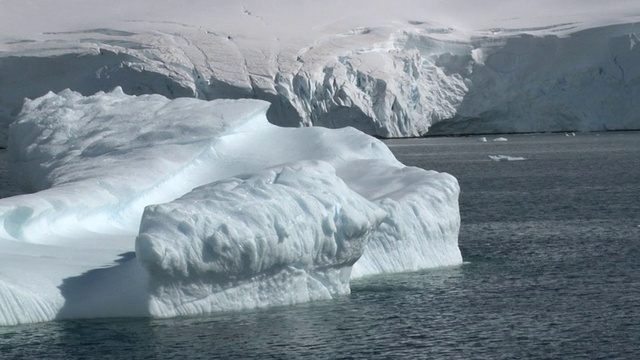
[{"x": 552, "y": 270}]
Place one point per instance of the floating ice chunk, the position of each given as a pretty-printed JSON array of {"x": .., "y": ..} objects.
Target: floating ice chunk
[
  {"x": 482, "y": 139},
  {"x": 297, "y": 226},
  {"x": 500, "y": 139},
  {"x": 505, "y": 158}
]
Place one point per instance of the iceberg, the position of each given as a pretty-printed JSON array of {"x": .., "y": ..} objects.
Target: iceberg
[{"x": 147, "y": 206}]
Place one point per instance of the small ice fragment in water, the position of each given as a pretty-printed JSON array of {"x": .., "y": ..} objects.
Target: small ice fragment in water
[
  {"x": 500, "y": 139},
  {"x": 505, "y": 158}
]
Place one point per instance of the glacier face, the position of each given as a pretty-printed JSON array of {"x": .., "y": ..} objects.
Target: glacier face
[
  {"x": 585, "y": 82},
  {"x": 146, "y": 206},
  {"x": 420, "y": 70}
]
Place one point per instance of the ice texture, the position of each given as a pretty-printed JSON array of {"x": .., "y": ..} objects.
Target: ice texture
[
  {"x": 395, "y": 70},
  {"x": 299, "y": 223},
  {"x": 146, "y": 206},
  {"x": 406, "y": 240}
]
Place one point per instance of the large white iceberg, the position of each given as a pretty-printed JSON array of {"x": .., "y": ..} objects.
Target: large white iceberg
[
  {"x": 389, "y": 69},
  {"x": 239, "y": 212}
]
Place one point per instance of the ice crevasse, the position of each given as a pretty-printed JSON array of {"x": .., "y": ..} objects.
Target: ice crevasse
[{"x": 145, "y": 206}]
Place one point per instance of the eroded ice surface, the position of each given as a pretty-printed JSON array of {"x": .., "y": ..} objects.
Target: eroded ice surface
[
  {"x": 299, "y": 224},
  {"x": 252, "y": 214}
]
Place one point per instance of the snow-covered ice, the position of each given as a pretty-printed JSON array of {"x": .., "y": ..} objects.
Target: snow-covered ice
[
  {"x": 397, "y": 69},
  {"x": 145, "y": 206}
]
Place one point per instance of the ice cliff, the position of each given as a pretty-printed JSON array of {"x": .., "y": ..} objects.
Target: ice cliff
[{"x": 392, "y": 71}]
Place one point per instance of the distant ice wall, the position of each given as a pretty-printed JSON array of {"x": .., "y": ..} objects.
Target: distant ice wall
[
  {"x": 417, "y": 84},
  {"x": 588, "y": 81},
  {"x": 392, "y": 81}
]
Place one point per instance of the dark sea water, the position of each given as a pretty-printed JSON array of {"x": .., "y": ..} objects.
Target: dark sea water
[{"x": 552, "y": 270}]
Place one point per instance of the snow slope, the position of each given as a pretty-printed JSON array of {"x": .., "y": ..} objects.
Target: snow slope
[
  {"x": 244, "y": 213},
  {"x": 389, "y": 69}
]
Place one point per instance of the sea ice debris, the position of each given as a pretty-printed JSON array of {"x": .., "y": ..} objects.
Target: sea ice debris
[{"x": 505, "y": 158}]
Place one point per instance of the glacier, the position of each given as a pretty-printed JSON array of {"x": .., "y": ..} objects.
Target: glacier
[
  {"x": 401, "y": 70},
  {"x": 147, "y": 206}
]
